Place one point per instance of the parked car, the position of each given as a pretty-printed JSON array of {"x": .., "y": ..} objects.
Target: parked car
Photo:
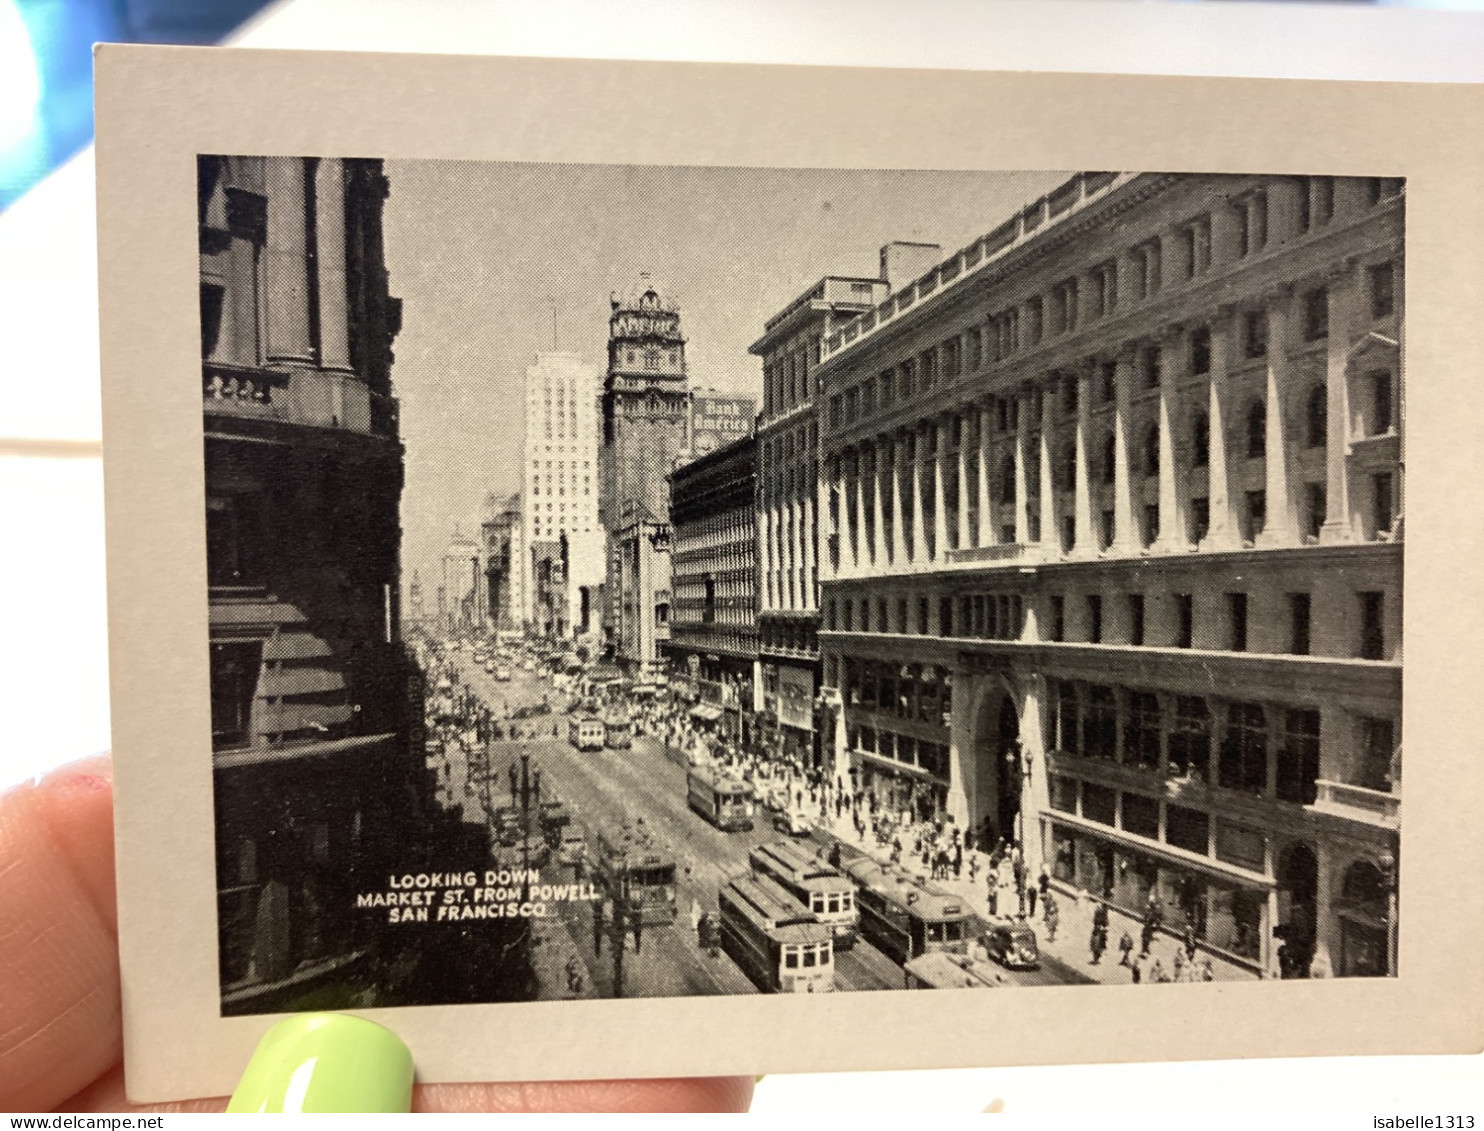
[{"x": 795, "y": 822}]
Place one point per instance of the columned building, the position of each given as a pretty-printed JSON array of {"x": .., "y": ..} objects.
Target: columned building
[
  {"x": 787, "y": 520},
  {"x": 713, "y": 623},
  {"x": 314, "y": 769},
  {"x": 645, "y": 406},
  {"x": 1111, "y": 551}
]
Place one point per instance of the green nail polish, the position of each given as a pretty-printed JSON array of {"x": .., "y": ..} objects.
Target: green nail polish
[{"x": 326, "y": 1062}]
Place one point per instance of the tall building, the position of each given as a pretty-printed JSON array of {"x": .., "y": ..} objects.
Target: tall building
[
  {"x": 501, "y": 533},
  {"x": 303, "y": 479},
  {"x": 713, "y": 624},
  {"x": 787, "y": 489},
  {"x": 1112, "y": 554},
  {"x": 645, "y": 407},
  {"x": 563, "y": 563},
  {"x": 462, "y": 587}
]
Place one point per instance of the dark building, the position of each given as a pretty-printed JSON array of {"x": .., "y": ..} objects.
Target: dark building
[
  {"x": 713, "y": 628},
  {"x": 309, "y": 687}
]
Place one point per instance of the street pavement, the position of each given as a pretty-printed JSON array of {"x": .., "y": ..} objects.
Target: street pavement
[{"x": 607, "y": 788}]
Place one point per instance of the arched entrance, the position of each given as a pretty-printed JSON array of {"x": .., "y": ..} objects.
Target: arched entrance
[
  {"x": 1007, "y": 759},
  {"x": 1298, "y": 890}
]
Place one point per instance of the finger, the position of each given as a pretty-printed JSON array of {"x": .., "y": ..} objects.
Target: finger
[
  {"x": 60, "y": 1024},
  {"x": 721, "y": 1094}
]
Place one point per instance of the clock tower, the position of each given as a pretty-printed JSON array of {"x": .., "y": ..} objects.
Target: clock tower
[{"x": 645, "y": 407}]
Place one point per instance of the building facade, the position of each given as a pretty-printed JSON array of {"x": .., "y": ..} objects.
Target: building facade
[
  {"x": 713, "y": 625},
  {"x": 787, "y": 520},
  {"x": 563, "y": 567},
  {"x": 502, "y": 534},
  {"x": 1111, "y": 551},
  {"x": 645, "y": 410},
  {"x": 303, "y": 478}
]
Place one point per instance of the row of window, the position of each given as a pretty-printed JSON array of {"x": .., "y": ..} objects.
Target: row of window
[
  {"x": 922, "y": 692},
  {"x": 932, "y": 757},
  {"x": 1002, "y": 616},
  {"x": 788, "y": 635}
]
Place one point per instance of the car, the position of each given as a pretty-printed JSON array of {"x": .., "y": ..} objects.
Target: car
[
  {"x": 775, "y": 799},
  {"x": 795, "y": 822},
  {"x": 1012, "y": 943}
]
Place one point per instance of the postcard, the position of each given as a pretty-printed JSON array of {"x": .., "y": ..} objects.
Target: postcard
[{"x": 625, "y": 569}]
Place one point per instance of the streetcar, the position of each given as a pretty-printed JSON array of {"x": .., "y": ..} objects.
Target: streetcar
[
  {"x": 586, "y": 732},
  {"x": 939, "y": 970},
  {"x": 778, "y": 944},
  {"x": 812, "y": 881},
  {"x": 722, "y": 800},
  {"x": 620, "y": 730},
  {"x": 630, "y": 865},
  {"x": 905, "y": 916}
]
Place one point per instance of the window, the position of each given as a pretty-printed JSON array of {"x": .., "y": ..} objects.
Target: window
[
  {"x": 1299, "y": 608},
  {"x": 1068, "y": 533},
  {"x": 1058, "y": 617},
  {"x": 1034, "y": 320},
  {"x": 1381, "y": 417},
  {"x": 1064, "y": 307},
  {"x": 1372, "y": 625},
  {"x": 1141, "y": 736},
  {"x": 1200, "y": 440},
  {"x": 1099, "y": 803},
  {"x": 234, "y": 684},
  {"x": 1315, "y": 505},
  {"x": 1109, "y": 462},
  {"x": 236, "y": 546},
  {"x": 902, "y": 614},
  {"x": 1200, "y": 350},
  {"x": 1146, "y": 268},
  {"x": 1236, "y": 605},
  {"x": 865, "y": 615},
  {"x": 1100, "y": 730},
  {"x": 1189, "y": 829},
  {"x": 1069, "y": 393},
  {"x": 1381, "y": 282},
  {"x": 881, "y": 622},
  {"x": 945, "y": 616},
  {"x": 927, "y": 373},
  {"x": 1257, "y": 431},
  {"x": 1316, "y": 314},
  {"x": 1136, "y": 618},
  {"x": 1068, "y": 476},
  {"x": 1184, "y": 620},
  {"x": 829, "y": 616},
  {"x": 1244, "y": 749},
  {"x": 1141, "y": 815},
  {"x": 1195, "y": 241},
  {"x": 1316, "y": 417},
  {"x": 1105, "y": 289},
  {"x": 1007, "y": 483},
  {"x": 1094, "y": 618},
  {"x": 1255, "y": 334},
  {"x": 922, "y": 616},
  {"x": 1298, "y": 761},
  {"x": 1149, "y": 362},
  {"x": 1105, "y": 535},
  {"x": 1377, "y": 754},
  {"x": 1190, "y": 739},
  {"x": 1257, "y": 512},
  {"x": 1151, "y": 450},
  {"x": 1252, "y": 224},
  {"x": 1151, "y": 523},
  {"x": 974, "y": 349},
  {"x": 1107, "y": 381},
  {"x": 1381, "y": 495},
  {"x": 1066, "y": 717}
]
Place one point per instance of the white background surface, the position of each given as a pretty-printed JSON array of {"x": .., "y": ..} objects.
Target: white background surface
[{"x": 53, "y": 664}]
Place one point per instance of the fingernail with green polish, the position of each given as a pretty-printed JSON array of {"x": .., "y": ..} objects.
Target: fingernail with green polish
[{"x": 326, "y": 1062}]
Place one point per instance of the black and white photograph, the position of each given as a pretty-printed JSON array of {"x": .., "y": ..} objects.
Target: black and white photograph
[
  {"x": 642, "y": 592},
  {"x": 635, "y": 581}
]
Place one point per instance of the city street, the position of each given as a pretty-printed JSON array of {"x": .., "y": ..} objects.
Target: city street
[{"x": 608, "y": 788}]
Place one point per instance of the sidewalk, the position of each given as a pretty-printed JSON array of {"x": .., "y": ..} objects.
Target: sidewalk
[{"x": 1074, "y": 925}]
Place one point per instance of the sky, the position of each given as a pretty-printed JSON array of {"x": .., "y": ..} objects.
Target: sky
[{"x": 482, "y": 254}]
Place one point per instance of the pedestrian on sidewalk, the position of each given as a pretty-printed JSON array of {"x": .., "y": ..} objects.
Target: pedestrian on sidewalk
[
  {"x": 958, "y": 858},
  {"x": 1028, "y": 894},
  {"x": 1125, "y": 948},
  {"x": 1136, "y": 969},
  {"x": 1043, "y": 881},
  {"x": 1099, "y": 940},
  {"x": 1153, "y": 916},
  {"x": 973, "y": 867},
  {"x": 1178, "y": 964},
  {"x": 1189, "y": 939},
  {"x": 994, "y": 895},
  {"x": 1053, "y": 917}
]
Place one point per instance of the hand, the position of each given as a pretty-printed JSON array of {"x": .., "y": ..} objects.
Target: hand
[{"x": 61, "y": 1034}]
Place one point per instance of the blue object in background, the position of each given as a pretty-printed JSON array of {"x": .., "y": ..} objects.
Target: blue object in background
[{"x": 46, "y": 69}]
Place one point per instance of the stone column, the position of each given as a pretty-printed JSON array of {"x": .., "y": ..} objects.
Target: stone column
[
  {"x": 940, "y": 509},
  {"x": 1050, "y": 537},
  {"x": 960, "y": 754},
  {"x": 919, "y": 539},
  {"x": 963, "y": 483},
  {"x": 1223, "y": 528},
  {"x": 822, "y": 513},
  {"x": 878, "y": 509},
  {"x": 1172, "y": 490},
  {"x": 857, "y": 513},
  {"x": 898, "y": 524},
  {"x": 1034, "y": 794},
  {"x": 1280, "y": 527},
  {"x": 1025, "y": 403},
  {"x": 1343, "y": 300},
  {"x": 329, "y": 228},
  {"x": 1125, "y": 531},
  {"x": 988, "y": 535},
  {"x": 1082, "y": 500},
  {"x": 286, "y": 263},
  {"x": 808, "y": 550}
]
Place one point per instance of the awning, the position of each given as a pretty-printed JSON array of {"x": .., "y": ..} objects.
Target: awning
[{"x": 706, "y": 712}]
